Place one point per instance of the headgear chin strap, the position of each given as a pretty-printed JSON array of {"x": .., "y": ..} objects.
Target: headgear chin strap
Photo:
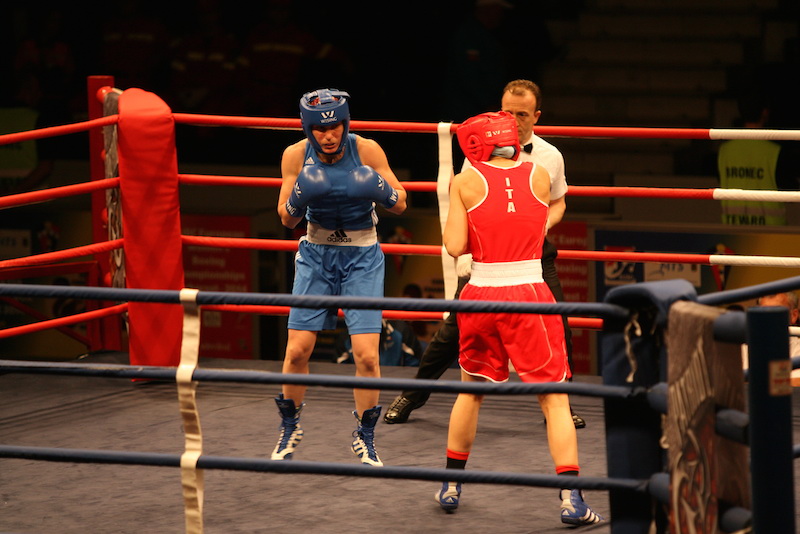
[
  {"x": 478, "y": 136},
  {"x": 324, "y": 107}
]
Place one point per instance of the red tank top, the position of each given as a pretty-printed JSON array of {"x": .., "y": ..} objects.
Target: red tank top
[{"x": 509, "y": 224}]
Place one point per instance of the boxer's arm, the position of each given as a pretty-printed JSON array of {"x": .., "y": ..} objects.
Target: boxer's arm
[
  {"x": 291, "y": 163},
  {"x": 455, "y": 234}
]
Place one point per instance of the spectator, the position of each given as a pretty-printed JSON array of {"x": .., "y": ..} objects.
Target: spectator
[{"x": 755, "y": 164}]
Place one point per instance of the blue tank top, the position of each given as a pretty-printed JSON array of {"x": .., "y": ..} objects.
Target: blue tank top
[{"x": 337, "y": 211}]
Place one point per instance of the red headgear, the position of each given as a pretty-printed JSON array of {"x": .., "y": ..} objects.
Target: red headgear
[{"x": 480, "y": 135}]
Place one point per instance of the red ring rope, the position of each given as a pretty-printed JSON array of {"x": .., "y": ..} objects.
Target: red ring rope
[
  {"x": 7, "y": 139},
  {"x": 574, "y": 190},
  {"x": 51, "y": 257},
  {"x": 288, "y": 245},
  {"x": 565, "y": 131},
  {"x": 575, "y": 322},
  {"x": 57, "y": 192},
  {"x": 64, "y": 321}
]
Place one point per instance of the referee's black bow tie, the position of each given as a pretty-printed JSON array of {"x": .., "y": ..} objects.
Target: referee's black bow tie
[{"x": 528, "y": 148}]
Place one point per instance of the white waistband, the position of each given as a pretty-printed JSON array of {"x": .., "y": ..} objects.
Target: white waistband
[
  {"x": 511, "y": 273},
  {"x": 343, "y": 238}
]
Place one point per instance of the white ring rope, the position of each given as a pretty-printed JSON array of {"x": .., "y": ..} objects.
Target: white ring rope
[
  {"x": 443, "y": 194},
  {"x": 761, "y": 261},
  {"x": 752, "y": 133},
  {"x": 770, "y": 196}
]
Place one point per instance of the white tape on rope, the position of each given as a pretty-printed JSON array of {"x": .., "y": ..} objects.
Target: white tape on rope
[
  {"x": 443, "y": 195},
  {"x": 749, "y": 194},
  {"x": 753, "y": 133},
  {"x": 762, "y": 261},
  {"x": 191, "y": 477}
]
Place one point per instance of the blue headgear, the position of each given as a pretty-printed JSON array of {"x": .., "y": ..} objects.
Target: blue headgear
[{"x": 324, "y": 107}]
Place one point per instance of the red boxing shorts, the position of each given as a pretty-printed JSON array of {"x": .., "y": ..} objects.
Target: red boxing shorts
[{"x": 533, "y": 343}]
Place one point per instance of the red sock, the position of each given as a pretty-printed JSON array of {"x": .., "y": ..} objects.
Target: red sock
[{"x": 568, "y": 470}]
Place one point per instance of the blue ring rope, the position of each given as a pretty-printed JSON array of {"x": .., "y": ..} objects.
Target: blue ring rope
[
  {"x": 746, "y": 293},
  {"x": 164, "y": 296},
  {"x": 319, "y": 468},
  {"x": 266, "y": 377}
]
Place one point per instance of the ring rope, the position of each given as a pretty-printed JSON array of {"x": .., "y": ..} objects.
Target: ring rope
[
  {"x": 264, "y": 377},
  {"x": 63, "y": 321},
  {"x": 21, "y": 199},
  {"x": 665, "y": 257},
  {"x": 427, "y": 250},
  {"x": 555, "y": 131},
  {"x": 715, "y": 193},
  {"x": 666, "y": 133},
  {"x": 50, "y": 257},
  {"x": 320, "y": 468},
  {"x": 74, "y": 267},
  {"x": 436, "y": 250},
  {"x": 166, "y": 296},
  {"x": 730, "y": 296},
  {"x": 575, "y": 322},
  {"x": 37, "y": 315},
  {"x": 408, "y": 304},
  {"x": 52, "y": 131},
  {"x": 771, "y": 196}
]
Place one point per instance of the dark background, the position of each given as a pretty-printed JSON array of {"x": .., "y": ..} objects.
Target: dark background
[
  {"x": 393, "y": 58},
  {"x": 403, "y": 61}
]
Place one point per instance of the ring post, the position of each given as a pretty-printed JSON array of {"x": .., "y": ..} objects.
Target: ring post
[
  {"x": 105, "y": 334},
  {"x": 151, "y": 226},
  {"x": 634, "y": 355},
  {"x": 770, "y": 399}
]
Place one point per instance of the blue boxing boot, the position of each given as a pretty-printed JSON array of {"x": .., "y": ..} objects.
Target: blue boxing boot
[
  {"x": 448, "y": 496},
  {"x": 291, "y": 433},
  {"x": 574, "y": 511},
  {"x": 364, "y": 434}
]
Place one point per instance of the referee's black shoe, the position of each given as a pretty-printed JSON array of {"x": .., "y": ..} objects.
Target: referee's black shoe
[
  {"x": 400, "y": 409},
  {"x": 577, "y": 420}
]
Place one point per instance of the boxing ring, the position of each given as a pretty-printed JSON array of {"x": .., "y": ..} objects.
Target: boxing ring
[{"x": 646, "y": 483}]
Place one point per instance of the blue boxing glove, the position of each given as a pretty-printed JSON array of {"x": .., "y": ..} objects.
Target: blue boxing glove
[
  {"x": 312, "y": 182},
  {"x": 364, "y": 182}
]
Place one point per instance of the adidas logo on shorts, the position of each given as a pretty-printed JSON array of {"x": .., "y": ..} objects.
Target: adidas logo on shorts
[{"x": 339, "y": 237}]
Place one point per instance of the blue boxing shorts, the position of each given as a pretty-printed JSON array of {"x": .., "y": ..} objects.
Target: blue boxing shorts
[{"x": 352, "y": 271}]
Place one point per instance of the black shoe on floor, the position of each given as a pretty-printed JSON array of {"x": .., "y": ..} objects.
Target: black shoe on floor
[
  {"x": 400, "y": 409},
  {"x": 578, "y": 420}
]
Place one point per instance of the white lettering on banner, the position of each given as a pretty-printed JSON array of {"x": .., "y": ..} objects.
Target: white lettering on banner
[
  {"x": 745, "y": 172},
  {"x": 619, "y": 273},
  {"x": 208, "y": 260},
  {"x": 672, "y": 271},
  {"x": 568, "y": 241},
  {"x": 212, "y": 319},
  {"x": 15, "y": 243}
]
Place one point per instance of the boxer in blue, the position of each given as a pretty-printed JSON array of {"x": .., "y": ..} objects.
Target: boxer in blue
[{"x": 333, "y": 180}]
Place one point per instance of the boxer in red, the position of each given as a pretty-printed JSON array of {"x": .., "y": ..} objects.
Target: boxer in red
[{"x": 498, "y": 213}]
